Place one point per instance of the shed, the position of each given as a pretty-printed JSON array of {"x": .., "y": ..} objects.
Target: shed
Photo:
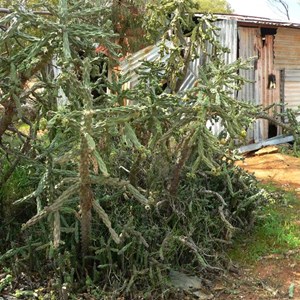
[{"x": 275, "y": 76}]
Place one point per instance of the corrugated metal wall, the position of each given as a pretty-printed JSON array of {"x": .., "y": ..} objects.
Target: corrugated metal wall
[
  {"x": 227, "y": 36},
  {"x": 273, "y": 54},
  {"x": 247, "y": 48},
  {"x": 291, "y": 88}
]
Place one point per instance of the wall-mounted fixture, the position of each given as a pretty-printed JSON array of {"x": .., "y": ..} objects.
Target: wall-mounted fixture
[{"x": 271, "y": 81}]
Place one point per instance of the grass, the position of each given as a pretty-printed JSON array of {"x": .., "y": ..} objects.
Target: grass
[{"x": 277, "y": 229}]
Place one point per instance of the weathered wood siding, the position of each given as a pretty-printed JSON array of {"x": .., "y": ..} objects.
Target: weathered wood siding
[
  {"x": 287, "y": 59},
  {"x": 287, "y": 48}
]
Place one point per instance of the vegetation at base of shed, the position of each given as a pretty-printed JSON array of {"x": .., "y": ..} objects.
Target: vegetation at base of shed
[
  {"x": 118, "y": 196},
  {"x": 276, "y": 232}
]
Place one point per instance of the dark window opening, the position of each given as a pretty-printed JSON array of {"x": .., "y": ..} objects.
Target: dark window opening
[
  {"x": 272, "y": 131},
  {"x": 238, "y": 47},
  {"x": 271, "y": 81},
  {"x": 267, "y": 31},
  {"x": 238, "y": 56}
]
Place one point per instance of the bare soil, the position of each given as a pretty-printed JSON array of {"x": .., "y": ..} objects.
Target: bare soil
[
  {"x": 282, "y": 170},
  {"x": 270, "y": 278},
  {"x": 273, "y": 276}
]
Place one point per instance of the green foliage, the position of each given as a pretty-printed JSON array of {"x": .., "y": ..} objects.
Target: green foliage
[
  {"x": 291, "y": 116},
  {"x": 218, "y": 6},
  {"x": 10, "y": 4},
  {"x": 125, "y": 193}
]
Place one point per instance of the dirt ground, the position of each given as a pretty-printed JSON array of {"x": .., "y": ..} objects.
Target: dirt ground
[
  {"x": 283, "y": 170},
  {"x": 273, "y": 276}
]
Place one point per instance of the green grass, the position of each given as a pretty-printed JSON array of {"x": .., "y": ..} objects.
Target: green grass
[{"x": 277, "y": 229}]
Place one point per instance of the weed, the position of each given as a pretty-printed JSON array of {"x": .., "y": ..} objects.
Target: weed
[{"x": 276, "y": 230}]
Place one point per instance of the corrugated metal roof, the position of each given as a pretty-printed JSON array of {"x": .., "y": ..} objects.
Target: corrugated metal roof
[{"x": 252, "y": 20}]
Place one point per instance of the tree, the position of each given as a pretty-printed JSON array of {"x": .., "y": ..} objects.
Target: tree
[
  {"x": 281, "y": 6},
  {"x": 85, "y": 133},
  {"x": 218, "y": 6},
  {"x": 26, "y": 3}
]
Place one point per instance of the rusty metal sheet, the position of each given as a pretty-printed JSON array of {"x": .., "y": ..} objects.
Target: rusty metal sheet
[
  {"x": 257, "y": 90},
  {"x": 268, "y": 95}
]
